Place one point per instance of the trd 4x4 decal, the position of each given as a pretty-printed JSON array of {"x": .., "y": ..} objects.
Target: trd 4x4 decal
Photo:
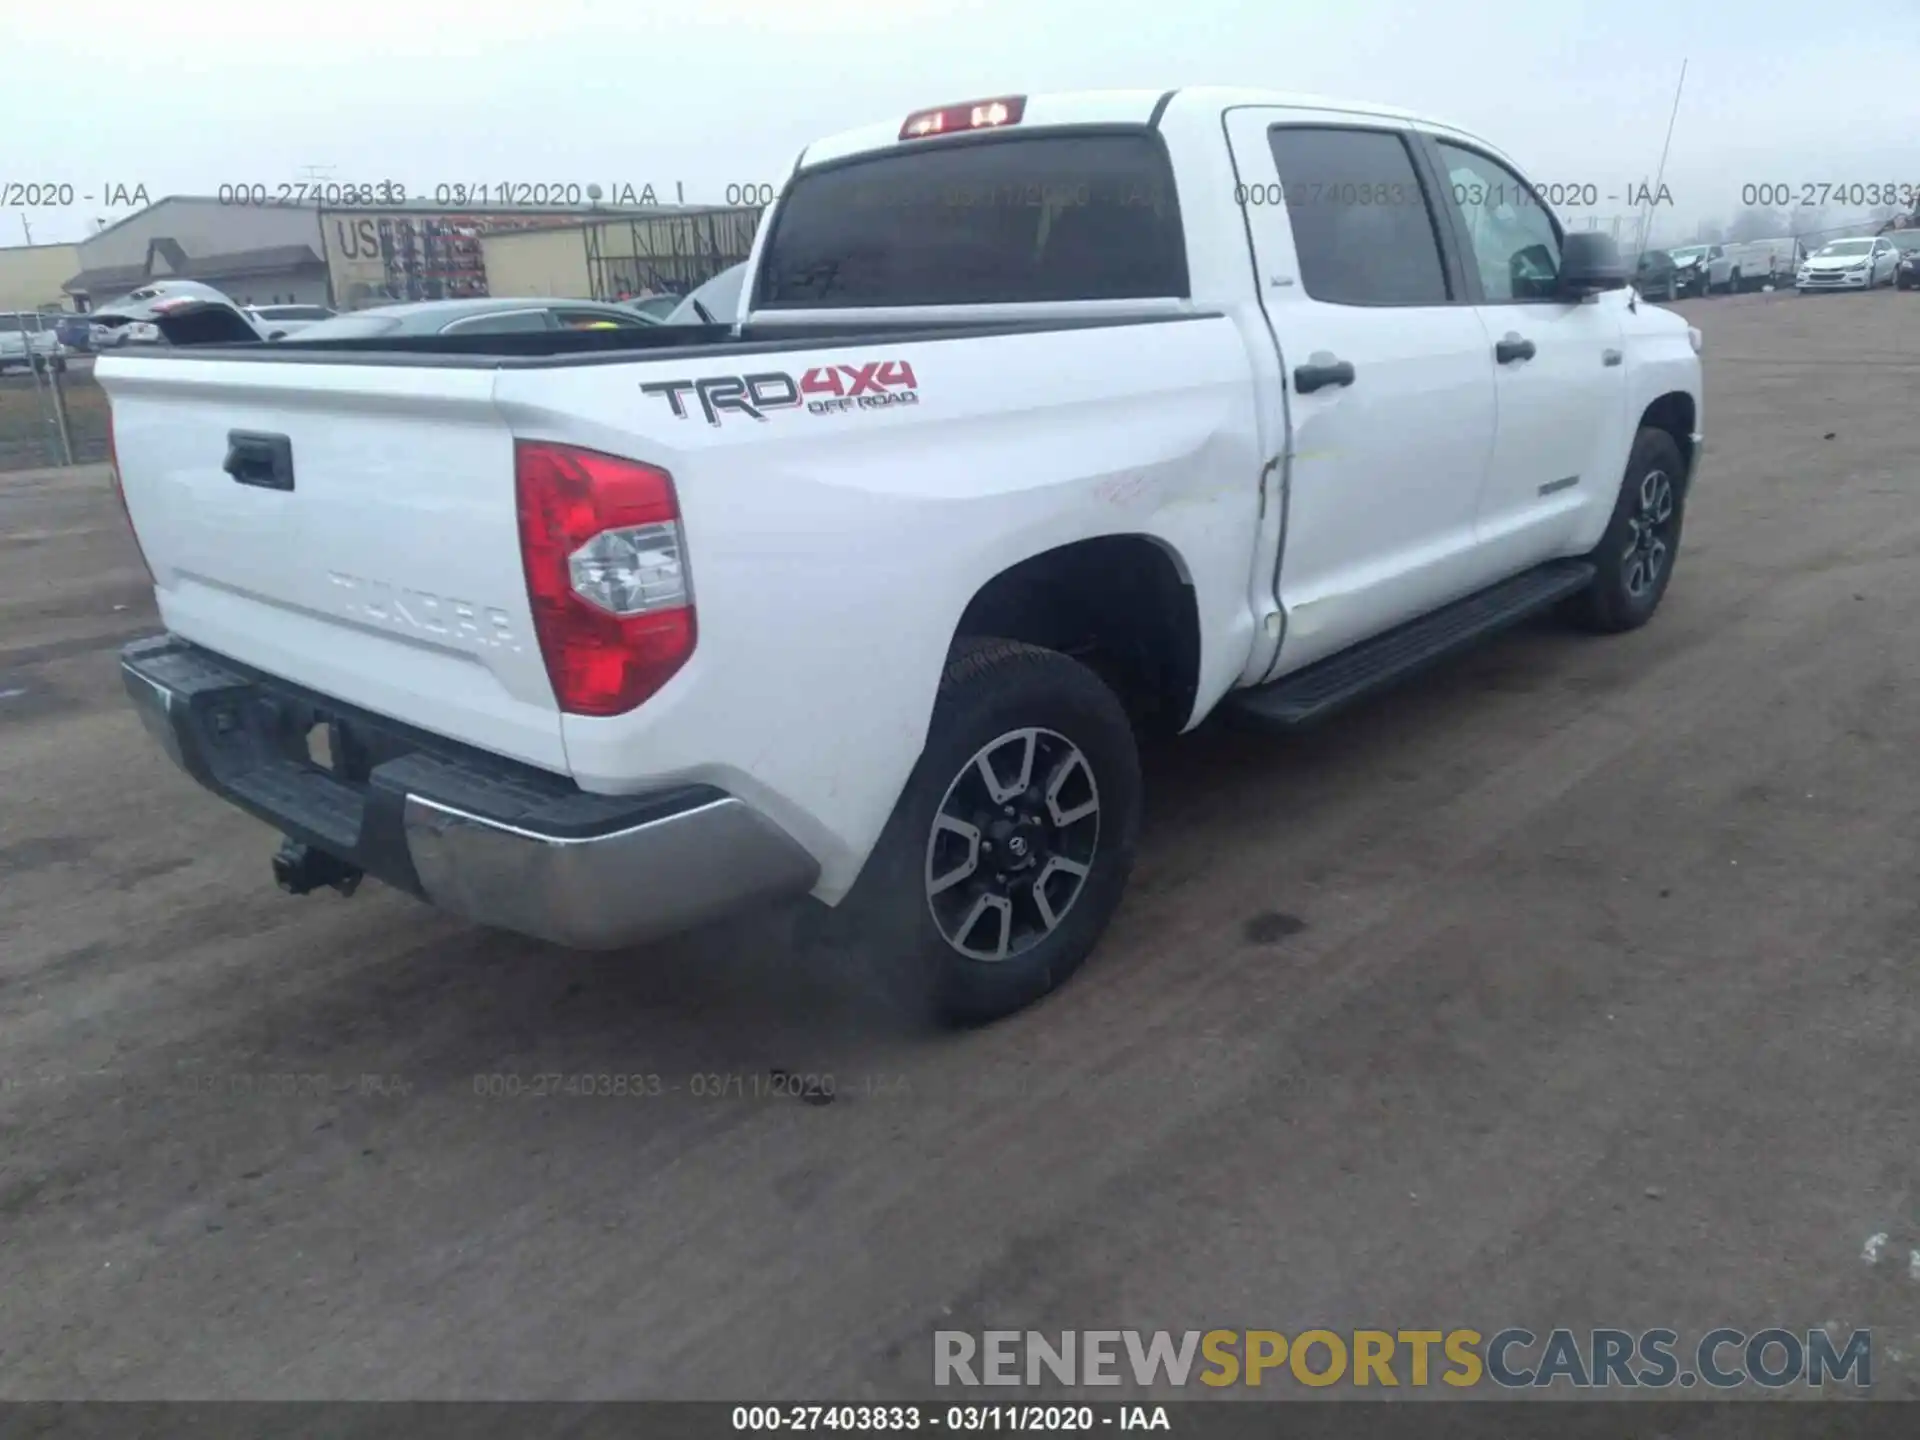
[{"x": 824, "y": 390}]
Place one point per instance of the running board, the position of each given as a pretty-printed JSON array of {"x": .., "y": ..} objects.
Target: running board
[{"x": 1328, "y": 685}]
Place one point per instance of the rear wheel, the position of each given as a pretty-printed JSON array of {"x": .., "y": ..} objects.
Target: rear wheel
[
  {"x": 1010, "y": 846},
  {"x": 1634, "y": 559}
]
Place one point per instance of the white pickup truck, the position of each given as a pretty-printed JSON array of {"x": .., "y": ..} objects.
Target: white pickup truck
[{"x": 1042, "y": 419}]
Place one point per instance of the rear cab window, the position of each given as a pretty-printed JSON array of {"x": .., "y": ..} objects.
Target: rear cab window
[
  {"x": 1363, "y": 226},
  {"x": 994, "y": 220}
]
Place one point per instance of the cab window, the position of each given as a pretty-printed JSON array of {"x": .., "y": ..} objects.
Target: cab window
[{"x": 1513, "y": 236}]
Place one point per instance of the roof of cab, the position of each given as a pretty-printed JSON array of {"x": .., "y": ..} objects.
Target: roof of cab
[{"x": 1113, "y": 107}]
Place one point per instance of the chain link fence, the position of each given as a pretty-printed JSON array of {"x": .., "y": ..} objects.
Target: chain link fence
[{"x": 52, "y": 412}]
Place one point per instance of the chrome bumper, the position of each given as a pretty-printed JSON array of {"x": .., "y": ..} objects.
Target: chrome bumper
[
  {"x": 481, "y": 837},
  {"x": 610, "y": 890}
]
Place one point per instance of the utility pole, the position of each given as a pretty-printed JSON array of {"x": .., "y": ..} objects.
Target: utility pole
[{"x": 1646, "y": 220}]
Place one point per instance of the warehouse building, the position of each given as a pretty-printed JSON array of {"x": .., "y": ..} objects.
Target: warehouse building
[
  {"x": 303, "y": 254},
  {"x": 624, "y": 256},
  {"x": 258, "y": 254}
]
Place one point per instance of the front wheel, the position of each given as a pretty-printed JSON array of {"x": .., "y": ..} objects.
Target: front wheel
[
  {"x": 1634, "y": 559},
  {"x": 1010, "y": 846}
]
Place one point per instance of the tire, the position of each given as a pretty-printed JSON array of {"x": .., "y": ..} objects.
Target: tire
[
  {"x": 1733, "y": 283},
  {"x": 1011, "y": 704},
  {"x": 1623, "y": 595}
]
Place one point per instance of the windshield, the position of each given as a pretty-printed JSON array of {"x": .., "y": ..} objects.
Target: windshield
[
  {"x": 1688, "y": 252},
  {"x": 1905, "y": 241},
  {"x": 349, "y": 327},
  {"x": 1844, "y": 247}
]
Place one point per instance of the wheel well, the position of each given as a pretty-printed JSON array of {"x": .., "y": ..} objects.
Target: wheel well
[
  {"x": 1118, "y": 603},
  {"x": 1674, "y": 414}
]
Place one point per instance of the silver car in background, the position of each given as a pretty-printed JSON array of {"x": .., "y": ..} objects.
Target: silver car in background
[
  {"x": 1859, "y": 262},
  {"x": 276, "y": 321},
  {"x": 30, "y": 332}
]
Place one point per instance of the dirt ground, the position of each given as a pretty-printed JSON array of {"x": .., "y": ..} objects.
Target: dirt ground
[{"x": 1573, "y": 985}]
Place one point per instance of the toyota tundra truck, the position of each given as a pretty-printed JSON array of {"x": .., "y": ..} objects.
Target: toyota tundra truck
[{"x": 1042, "y": 421}]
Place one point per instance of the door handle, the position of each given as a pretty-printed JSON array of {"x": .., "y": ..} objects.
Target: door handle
[
  {"x": 1513, "y": 348},
  {"x": 1309, "y": 378},
  {"x": 257, "y": 458}
]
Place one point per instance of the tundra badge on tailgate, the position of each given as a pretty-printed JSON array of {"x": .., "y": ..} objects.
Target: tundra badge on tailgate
[{"x": 824, "y": 390}]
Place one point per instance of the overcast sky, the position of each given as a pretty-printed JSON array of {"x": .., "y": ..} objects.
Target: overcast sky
[{"x": 185, "y": 96}]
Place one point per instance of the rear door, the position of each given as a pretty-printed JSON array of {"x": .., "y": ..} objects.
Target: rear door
[
  {"x": 1390, "y": 379},
  {"x": 1563, "y": 431},
  {"x": 350, "y": 528}
]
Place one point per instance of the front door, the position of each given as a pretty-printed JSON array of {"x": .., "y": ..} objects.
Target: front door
[
  {"x": 1561, "y": 381},
  {"x": 1389, "y": 383}
]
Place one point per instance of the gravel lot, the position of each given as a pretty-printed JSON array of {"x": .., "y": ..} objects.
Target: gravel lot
[{"x": 1573, "y": 985}]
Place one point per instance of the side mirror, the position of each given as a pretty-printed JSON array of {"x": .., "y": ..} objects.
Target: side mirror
[{"x": 1589, "y": 264}]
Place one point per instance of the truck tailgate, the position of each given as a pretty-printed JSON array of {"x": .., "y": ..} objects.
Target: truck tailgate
[{"x": 349, "y": 528}]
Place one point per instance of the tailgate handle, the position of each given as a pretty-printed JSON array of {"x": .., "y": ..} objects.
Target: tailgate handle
[{"x": 256, "y": 458}]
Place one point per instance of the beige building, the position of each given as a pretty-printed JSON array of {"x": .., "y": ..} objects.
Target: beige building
[
  {"x": 548, "y": 261},
  {"x": 636, "y": 254},
  {"x": 31, "y": 275}
]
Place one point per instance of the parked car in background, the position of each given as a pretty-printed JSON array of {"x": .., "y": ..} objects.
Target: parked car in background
[
  {"x": 278, "y": 321},
  {"x": 712, "y": 303},
  {"x": 1754, "y": 264},
  {"x": 1655, "y": 276},
  {"x": 1906, "y": 244},
  {"x": 1859, "y": 262},
  {"x": 495, "y": 315},
  {"x": 194, "y": 314},
  {"x": 25, "y": 333},
  {"x": 1701, "y": 269},
  {"x": 655, "y": 307},
  {"x": 75, "y": 332}
]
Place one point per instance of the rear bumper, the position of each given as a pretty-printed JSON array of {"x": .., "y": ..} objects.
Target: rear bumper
[{"x": 482, "y": 837}]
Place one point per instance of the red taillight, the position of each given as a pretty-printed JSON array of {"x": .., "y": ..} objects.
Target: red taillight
[
  {"x": 972, "y": 115},
  {"x": 606, "y": 574},
  {"x": 120, "y": 494}
]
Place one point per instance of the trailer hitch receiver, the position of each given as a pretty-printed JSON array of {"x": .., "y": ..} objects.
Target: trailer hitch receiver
[{"x": 300, "y": 869}]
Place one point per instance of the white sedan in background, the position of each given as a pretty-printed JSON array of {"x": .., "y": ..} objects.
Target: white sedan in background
[{"x": 1859, "y": 263}]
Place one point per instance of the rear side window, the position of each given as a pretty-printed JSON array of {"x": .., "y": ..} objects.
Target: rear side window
[
  {"x": 1362, "y": 226},
  {"x": 1090, "y": 216},
  {"x": 507, "y": 322},
  {"x": 598, "y": 320}
]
